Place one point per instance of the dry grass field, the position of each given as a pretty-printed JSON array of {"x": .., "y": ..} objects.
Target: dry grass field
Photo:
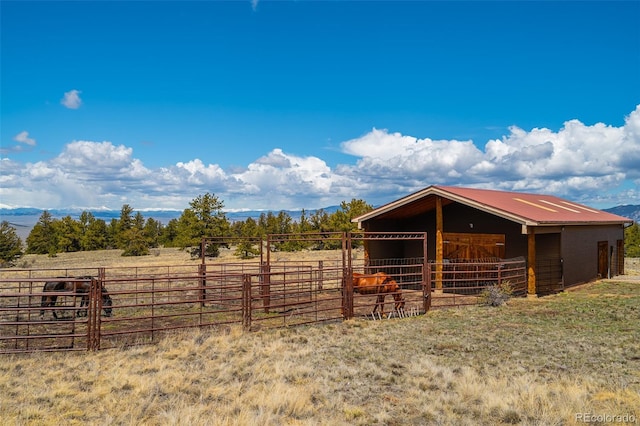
[{"x": 550, "y": 361}]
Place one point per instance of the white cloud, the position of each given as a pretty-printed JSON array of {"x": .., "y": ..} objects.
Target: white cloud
[
  {"x": 586, "y": 163},
  {"x": 23, "y": 137},
  {"x": 254, "y": 4},
  {"x": 575, "y": 160},
  {"x": 71, "y": 99}
]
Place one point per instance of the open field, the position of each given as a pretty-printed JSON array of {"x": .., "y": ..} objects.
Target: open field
[{"x": 542, "y": 361}]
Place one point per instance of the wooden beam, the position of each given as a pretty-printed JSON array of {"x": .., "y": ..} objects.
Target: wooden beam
[
  {"x": 531, "y": 259},
  {"x": 439, "y": 243}
]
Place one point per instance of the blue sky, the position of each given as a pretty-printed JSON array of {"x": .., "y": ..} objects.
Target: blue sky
[{"x": 284, "y": 105}]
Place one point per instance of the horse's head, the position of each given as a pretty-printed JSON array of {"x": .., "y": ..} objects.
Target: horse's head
[{"x": 393, "y": 288}]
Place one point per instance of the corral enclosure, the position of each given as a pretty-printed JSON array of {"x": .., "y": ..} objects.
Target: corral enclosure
[{"x": 149, "y": 301}]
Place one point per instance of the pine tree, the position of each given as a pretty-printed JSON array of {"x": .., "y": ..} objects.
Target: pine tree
[
  {"x": 248, "y": 232},
  {"x": 124, "y": 224},
  {"x": 132, "y": 236},
  {"x": 10, "y": 245},
  {"x": 69, "y": 235},
  {"x": 632, "y": 241},
  {"x": 152, "y": 232},
  {"x": 94, "y": 233},
  {"x": 169, "y": 234},
  {"x": 204, "y": 219},
  {"x": 43, "y": 239}
]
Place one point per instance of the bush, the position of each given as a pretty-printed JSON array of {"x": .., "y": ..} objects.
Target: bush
[{"x": 497, "y": 294}]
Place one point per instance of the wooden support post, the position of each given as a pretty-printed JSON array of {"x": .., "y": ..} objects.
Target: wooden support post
[
  {"x": 531, "y": 259},
  {"x": 439, "y": 244},
  {"x": 426, "y": 278}
]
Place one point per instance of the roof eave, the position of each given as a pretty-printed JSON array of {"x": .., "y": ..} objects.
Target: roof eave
[{"x": 434, "y": 190}]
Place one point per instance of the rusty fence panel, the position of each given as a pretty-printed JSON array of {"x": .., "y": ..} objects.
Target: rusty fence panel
[
  {"x": 463, "y": 281},
  {"x": 26, "y": 326},
  {"x": 145, "y": 309},
  {"x": 296, "y": 295},
  {"x": 135, "y": 305}
]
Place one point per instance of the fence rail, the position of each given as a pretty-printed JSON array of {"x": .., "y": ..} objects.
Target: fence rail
[
  {"x": 128, "y": 306},
  {"x": 461, "y": 282}
]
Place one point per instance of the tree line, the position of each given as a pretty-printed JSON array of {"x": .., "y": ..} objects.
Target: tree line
[
  {"x": 135, "y": 235},
  {"x": 204, "y": 218}
]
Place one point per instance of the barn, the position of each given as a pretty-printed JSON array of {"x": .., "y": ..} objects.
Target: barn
[{"x": 564, "y": 243}]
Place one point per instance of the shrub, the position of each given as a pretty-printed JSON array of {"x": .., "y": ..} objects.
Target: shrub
[{"x": 497, "y": 294}]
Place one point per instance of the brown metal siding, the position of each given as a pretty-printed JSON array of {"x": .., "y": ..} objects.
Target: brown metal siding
[
  {"x": 566, "y": 255},
  {"x": 580, "y": 251}
]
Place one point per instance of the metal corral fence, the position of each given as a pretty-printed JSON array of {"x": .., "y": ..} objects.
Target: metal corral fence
[
  {"x": 462, "y": 281},
  {"x": 116, "y": 307}
]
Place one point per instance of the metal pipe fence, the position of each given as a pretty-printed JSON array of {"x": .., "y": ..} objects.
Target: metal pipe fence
[
  {"x": 136, "y": 305},
  {"x": 463, "y": 281}
]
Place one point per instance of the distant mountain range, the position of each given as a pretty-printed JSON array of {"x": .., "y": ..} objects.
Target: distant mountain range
[
  {"x": 156, "y": 214},
  {"x": 631, "y": 211},
  {"x": 24, "y": 218}
]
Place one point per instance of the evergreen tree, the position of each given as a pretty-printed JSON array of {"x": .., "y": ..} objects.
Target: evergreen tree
[
  {"x": 136, "y": 244},
  {"x": 96, "y": 235},
  {"x": 112, "y": 234},
  {"x": 340, "y": 221},
  {"x": 320, "y": 223},
  {"x": 204, "y": 219},
  {"x": 304, "y": 225},
  {"x": 84, "y": 221},
  {"x": 124, "y": 224},
  {"x": 152, "y": 232},
  {"x": 43, "y": 239},
  {"x": 131, "y": 233},
  {"x": 632, "y": 241},
  {"x": 10, "y": 245},
  {"x": 246, "y": 246},
  {"x": 69, "y": 235},
  {"x": 169, "y": 234}
]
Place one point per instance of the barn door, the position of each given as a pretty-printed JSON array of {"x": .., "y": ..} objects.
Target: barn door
[
  {"x": 473, "y": 246},
  {"x": 603, "y": 259}
]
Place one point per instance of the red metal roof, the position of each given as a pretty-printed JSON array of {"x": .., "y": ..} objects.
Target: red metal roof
[{"x": 525, "y": 208}]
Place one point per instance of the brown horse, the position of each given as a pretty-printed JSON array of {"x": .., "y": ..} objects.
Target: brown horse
[
  {"x": 80, "y": 287},
  {"x": 379, "y": 284}
]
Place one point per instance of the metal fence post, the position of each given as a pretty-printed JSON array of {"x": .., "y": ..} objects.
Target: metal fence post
[
  {"x": 246, "y": 301},
  {"x": 347, "y": 277},
  {"x": 202, "y": 272},
  {"x": 93, "y": 311}
]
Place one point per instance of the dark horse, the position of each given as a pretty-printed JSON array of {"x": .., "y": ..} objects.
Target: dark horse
[{"x": 80, "y": 286}]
